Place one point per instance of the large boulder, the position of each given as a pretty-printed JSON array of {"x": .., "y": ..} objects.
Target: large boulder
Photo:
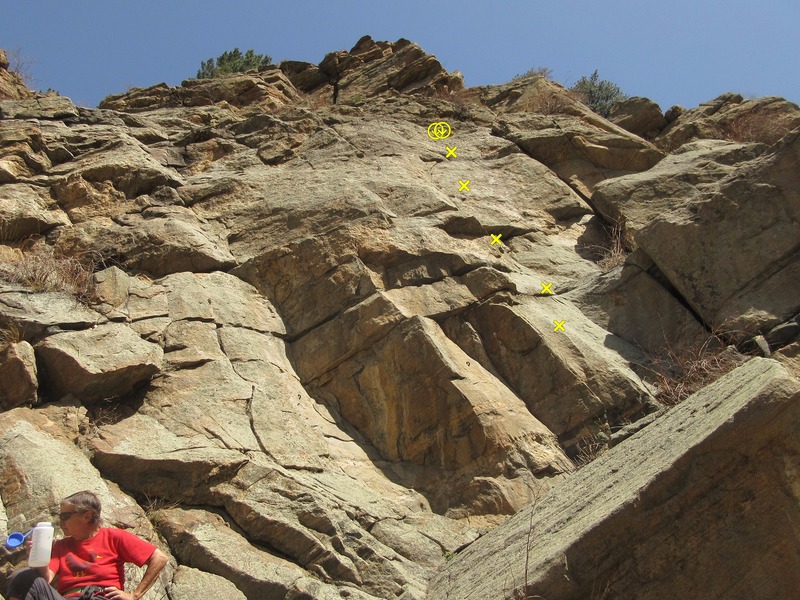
[
  {"x": 651, "y": 518},
  {"x": 731, "y": 117},
  {"x": 640, "y": 116},
  {"x": 706, "y": 203},
  {"x": 27, "y": 211},
  {"x": 268, "y": 88},
  {"x": 205, "y": 541},
  {"x": 189, "y": 583},
  {"x": 23, "y": 151},
  {"x": 581, "y": 153},
  {"x": 18, "y": 382},
  {"x": 37, "y": 314},
  {"x": 108, "y": 361},
  {"x": 41, "y": 107}
]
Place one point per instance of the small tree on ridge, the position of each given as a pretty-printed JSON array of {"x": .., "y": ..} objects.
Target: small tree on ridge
[
  {"x": 600, "y": 94},
  {"x": 232, "y": 62}
]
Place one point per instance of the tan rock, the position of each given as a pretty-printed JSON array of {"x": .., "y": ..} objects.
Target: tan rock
[
  {"x": 18, "y": 383},
  {"x": 581, "y": 153},
  {"x": 698, "y": 208},
  {"x": 189, "y": 583},
  {"x": 27, "y": 211},
  {"x": 12, "y": 86},
  {"x": 125, "y": 162},
  {"x": 632, "y": 304},
  {"x": 640, "y": 116},
  {"x": 41, "y": 107},
  {"x": 269, "y": 89},
  {"x": 108, "y": 361},
  {"x": 731, "y": 117},
  {"x": 34, "y": 314},
  {"x": 205, "y": 541},
  {"x": 418, "y": 398},
  {"x": 23, "y": 151},
  {"x": 571, "y": 380},
  {"x": 651, "y": 518}
]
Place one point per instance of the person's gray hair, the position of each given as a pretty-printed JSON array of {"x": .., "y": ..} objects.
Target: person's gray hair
[{"x": 84, "y": 501}]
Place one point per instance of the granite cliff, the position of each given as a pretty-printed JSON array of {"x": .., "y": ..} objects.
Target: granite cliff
[{"x": 314, "y": 352}]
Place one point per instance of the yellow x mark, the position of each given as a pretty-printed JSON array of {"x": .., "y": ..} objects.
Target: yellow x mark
[
  {"x": 559, "y": 326},
  {"x": 546, "y": 288},
  {"x": 451, "y": 152},
  {"x": 464, "y": 185},
  {"x": 496, "y": 239}
]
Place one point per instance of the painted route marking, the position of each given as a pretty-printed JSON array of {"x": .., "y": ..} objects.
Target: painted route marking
[
  {"x": 439, "y": 130},
  {"x": 451, "y": 151},
  {"x": 546, "y": 288},
  {"x": 496, "y": 239},
  {"x": 559, "y": 326},
  {"x": 464, "y": 185}
]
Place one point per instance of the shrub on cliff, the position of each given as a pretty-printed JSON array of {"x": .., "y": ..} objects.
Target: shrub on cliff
[
  {"x": 600, "y": 94},
  {"x": 232, "y": 62}
]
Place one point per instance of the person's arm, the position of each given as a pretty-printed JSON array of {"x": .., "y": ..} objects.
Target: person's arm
[{"x": 154, "y": 565}]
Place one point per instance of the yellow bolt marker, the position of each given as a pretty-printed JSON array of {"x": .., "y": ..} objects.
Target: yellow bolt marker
[
  {"x": 451, "y": 151},
  {"x": 559, "y": 326},
  {"x": 546, "y": 288},
  {"x": 439, "y": 130},
  {"x": 496, "y": 239},
  {"x": 464, "y": 185}
]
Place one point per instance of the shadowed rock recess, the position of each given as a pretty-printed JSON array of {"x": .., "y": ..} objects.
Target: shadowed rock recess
[{"x": 312, "y": 352}]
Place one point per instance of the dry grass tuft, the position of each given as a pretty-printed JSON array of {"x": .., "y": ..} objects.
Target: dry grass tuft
[
  {"x": 589, "y": 448},
  {"x": 613, "y": 252},
  {"x": 616, "y": 252},
  {"x": 44, "y": 269},
  {"x": 754, "y": 126},
  {"x": 9, "y": 334},
  {"x": 680, "y": 373}
]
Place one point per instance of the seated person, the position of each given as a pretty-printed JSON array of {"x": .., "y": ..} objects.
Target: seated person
[{"x": 88, "y": 555}]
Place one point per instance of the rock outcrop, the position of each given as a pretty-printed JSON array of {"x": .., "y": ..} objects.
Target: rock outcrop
[
  {"x": 640, "y": 116},
  {"x": 731, "y": 117},
  {"x": 11, "y": 85},
  {"x": 313, "y": 352},
  {"x": 652, "y": 517}
]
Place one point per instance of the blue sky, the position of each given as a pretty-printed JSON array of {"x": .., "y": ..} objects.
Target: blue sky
[{"x": 676, "y": 52}]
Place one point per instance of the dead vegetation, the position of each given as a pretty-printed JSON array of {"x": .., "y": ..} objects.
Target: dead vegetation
[
  {"x": 43, "y": 268},
  {"x": 753, "y": 126},
  {"x": 679, "y": 373},
  {"x": 615, "y": 252},
  {"x": 9, "y": 334},
  {"x": 589, "y": 448}
]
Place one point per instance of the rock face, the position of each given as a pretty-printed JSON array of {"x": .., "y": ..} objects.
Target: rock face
[
  {"x": 640, "y": 116},
  {"x": 652, "y": 517},
  {"x": 104, "y": 362},
  {"x": 18, "y": 381},
  {"x": 735, "y": 202},
  {"x": 315, "y": 352},
  {"x": 731, "y": 117},
  {"x": 11, "y": 85}
]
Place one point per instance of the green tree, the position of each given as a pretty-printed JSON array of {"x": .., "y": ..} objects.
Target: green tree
[
  {"x": 232, "y": 62},
  {"x": 600, "y": 94}
]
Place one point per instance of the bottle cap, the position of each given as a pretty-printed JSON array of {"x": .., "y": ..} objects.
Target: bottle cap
[{"x": 44, "y": 524}]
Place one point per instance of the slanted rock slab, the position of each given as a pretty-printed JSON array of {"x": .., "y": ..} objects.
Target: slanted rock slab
[{"x": 689, "y": 504}]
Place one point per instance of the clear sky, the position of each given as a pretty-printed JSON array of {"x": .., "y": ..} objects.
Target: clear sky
[{"x": 675, "y": 52}]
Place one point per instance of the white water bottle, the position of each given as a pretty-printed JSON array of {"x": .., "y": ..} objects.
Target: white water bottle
[{"x": 42, "y": 538}]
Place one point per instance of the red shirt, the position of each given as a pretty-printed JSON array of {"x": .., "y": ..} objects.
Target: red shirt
[{"x": 97, "y": 561}]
